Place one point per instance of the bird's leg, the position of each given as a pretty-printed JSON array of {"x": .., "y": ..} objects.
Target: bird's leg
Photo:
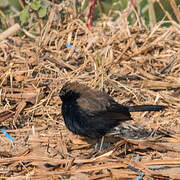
[
  {"x": 102, "y": 141},
  {"x": 101, "y": 144},
  {"x": 96, "y": 146}
]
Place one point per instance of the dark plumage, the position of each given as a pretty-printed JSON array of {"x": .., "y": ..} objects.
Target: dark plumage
[{"x": 92, "y": 113}]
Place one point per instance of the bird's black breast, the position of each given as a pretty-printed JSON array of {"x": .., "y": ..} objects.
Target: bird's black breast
[
  {"x": 69, "y": 110},
  {"x": 76, "y": 120}
]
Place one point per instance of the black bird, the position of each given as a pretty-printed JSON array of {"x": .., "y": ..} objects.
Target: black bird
[{"x": 92, "y": 113}]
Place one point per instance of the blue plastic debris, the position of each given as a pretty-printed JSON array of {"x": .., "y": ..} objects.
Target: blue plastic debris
[
  {"x": 71, "y": 46},
  {"x": 140, "y": 173},
  {"x": 5, "y": 132},
  {"x": 137, "y": 157},
  {"x": 139, "y": 177}
]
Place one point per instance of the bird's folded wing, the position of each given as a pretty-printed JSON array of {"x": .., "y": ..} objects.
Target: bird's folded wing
[{"x": 106, "y": 109}]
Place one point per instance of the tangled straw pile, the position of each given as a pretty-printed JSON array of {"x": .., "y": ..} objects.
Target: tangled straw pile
[{"x": 134, "y": 65}]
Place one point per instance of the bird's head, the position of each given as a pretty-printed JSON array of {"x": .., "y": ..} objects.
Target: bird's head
[{"x": 69, "y": 91}]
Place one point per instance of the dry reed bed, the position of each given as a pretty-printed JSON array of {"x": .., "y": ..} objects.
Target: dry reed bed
[{"x": 134, "y": 65}]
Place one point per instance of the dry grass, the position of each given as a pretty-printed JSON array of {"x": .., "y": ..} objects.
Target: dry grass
[{"x": 134, "y": 65}]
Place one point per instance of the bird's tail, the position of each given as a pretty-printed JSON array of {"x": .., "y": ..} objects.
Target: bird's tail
[{"x": 141, "y": 108}]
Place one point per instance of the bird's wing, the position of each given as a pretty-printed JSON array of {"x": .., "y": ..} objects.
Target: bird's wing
[
  {"x": 105, "y": 107},
  {"x": 92, "y": 103},
  {"x": 117, "y": 111}
]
